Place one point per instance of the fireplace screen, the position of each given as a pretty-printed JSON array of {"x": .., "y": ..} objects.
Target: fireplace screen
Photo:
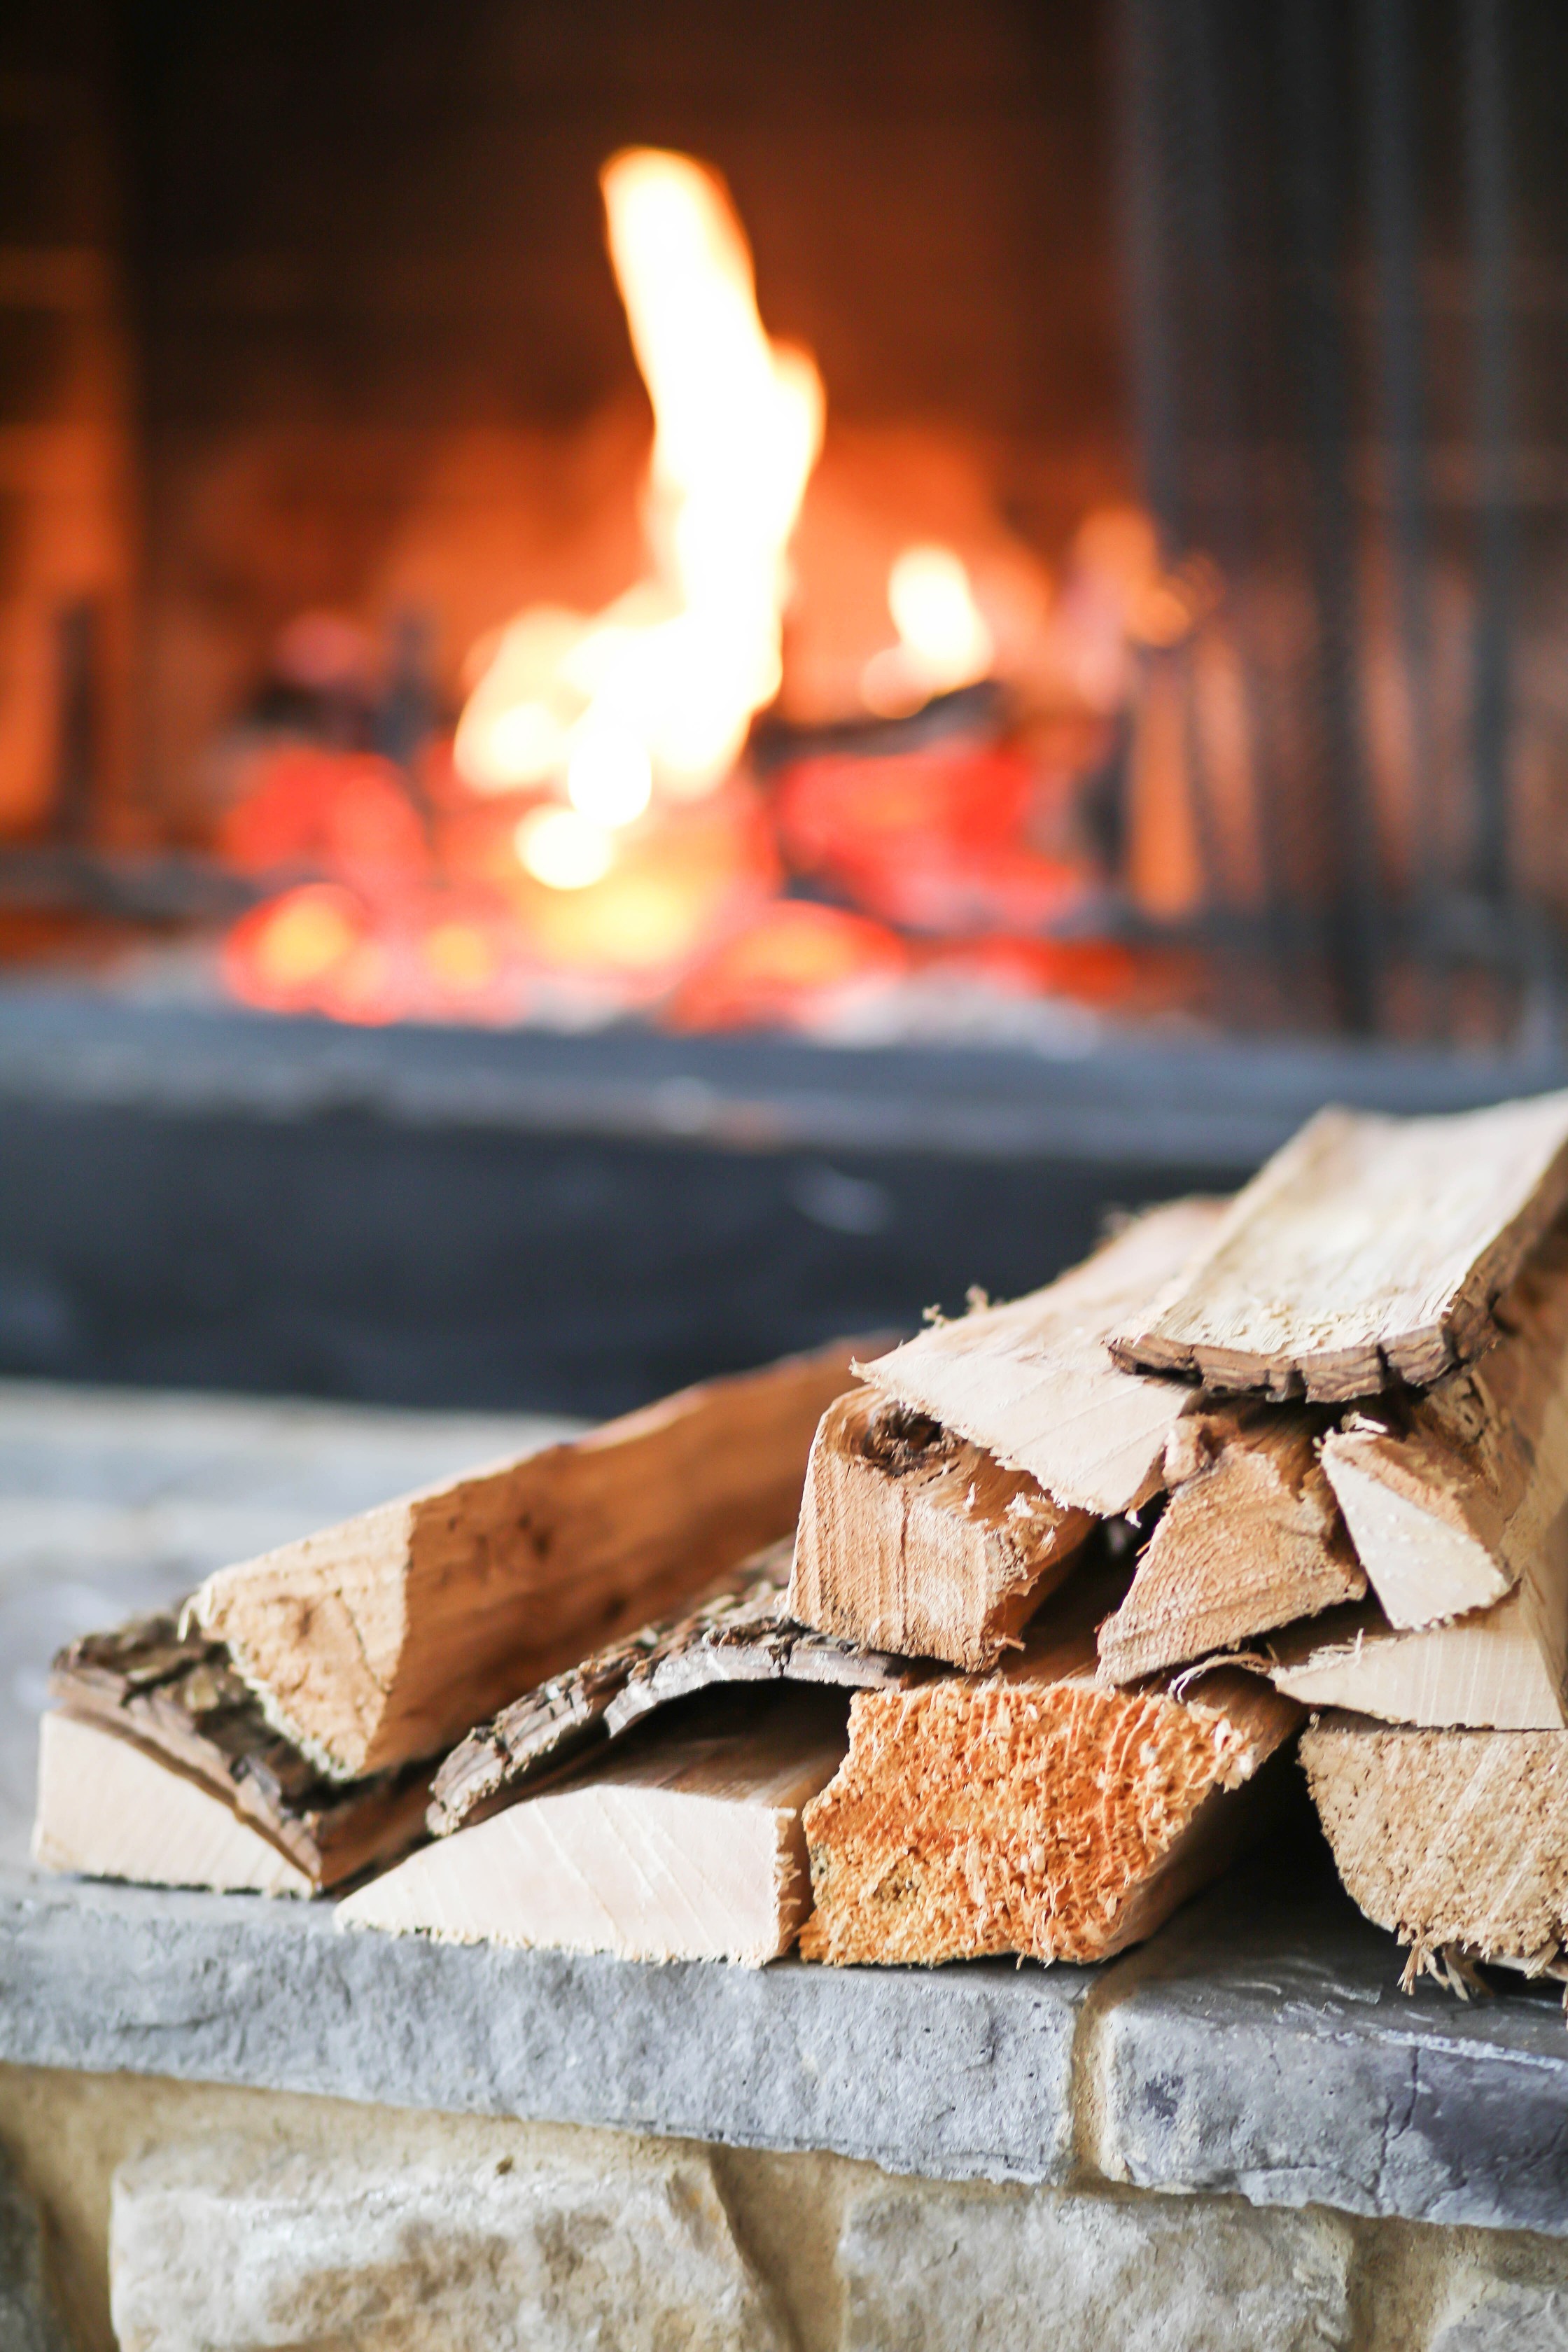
[{"x": 873, "y": 522}]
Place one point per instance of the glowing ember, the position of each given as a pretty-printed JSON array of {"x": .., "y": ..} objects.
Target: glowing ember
[{"x": 656, "y": 694}]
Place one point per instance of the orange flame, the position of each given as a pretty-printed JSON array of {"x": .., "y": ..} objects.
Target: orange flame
[{"x": 655, "y": 694}]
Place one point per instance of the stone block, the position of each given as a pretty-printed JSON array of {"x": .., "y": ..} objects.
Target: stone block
[
  {"x": 233, "y": 2244},
  {"x": 929, "y": 2270},
  {"x": 28, "y": 2322}
]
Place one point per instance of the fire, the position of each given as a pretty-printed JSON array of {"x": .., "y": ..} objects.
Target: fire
[
  {"x": 945, "y": 641},
  {"x": 655, "y": 695}
]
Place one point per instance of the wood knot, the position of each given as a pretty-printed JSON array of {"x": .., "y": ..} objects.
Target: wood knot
[{"x": 900, "y": 1438}]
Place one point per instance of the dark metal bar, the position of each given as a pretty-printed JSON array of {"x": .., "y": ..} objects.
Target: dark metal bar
[
  {"x": 1314, "y": 194},
  {"x": 77, "y": 748},
  {"x": 1216, "y": 193},
  {"x": 1149, "y": 274},
  {"x": 1400, "y": 343},
  {"x": 1488, "y": 196}
]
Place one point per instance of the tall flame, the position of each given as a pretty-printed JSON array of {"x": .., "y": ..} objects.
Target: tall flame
[{"x": 656, "y": 692}]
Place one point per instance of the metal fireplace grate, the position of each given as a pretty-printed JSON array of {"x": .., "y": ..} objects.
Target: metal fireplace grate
[{"x": 1348, "y": 306}]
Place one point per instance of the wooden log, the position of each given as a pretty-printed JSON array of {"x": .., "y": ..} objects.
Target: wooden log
[
  {"x": 384, "y": 1638},
  {"x": 1503, "y": 1669},
  {"x": 912, "y": 1540},
  {"x": 1367, "y": 1252},
  {"x": 1033, "y": 1383},
  {"x": 1251, "y": 1538},
  {"x": 1456, "y": 1840},
  {"x": 109, "y": 1807},
  {"x": 676, "y": 1845},
  {"x": 178, "y": 1698},
  {"x": 1033, "y": 1811},
  {"x": 1451, "y": 1495},
  {"x": 742, "y": 1633}
]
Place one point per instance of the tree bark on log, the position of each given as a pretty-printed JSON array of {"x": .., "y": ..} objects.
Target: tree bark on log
[
  {"x": 177, "y": 1698},
  {"x": 741, "y": 1633}
]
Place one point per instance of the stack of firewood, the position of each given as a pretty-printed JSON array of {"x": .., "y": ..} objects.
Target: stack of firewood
[{"x": 1068, "y": 1577}]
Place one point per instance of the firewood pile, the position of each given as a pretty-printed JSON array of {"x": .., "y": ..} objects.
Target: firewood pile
[{"x": 1001, "y": 1639}]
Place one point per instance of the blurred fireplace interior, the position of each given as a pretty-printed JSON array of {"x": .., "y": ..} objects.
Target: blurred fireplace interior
[{"x": 308, "y": 311}]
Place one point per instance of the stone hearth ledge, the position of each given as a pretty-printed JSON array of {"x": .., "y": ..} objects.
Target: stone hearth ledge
[{"x": 1259, "y": 2046}]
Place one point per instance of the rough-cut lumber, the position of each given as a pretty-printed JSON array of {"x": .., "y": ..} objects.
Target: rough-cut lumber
[
  {"x": 912, "y": 1540},
  {"x": 178, "y": 1697},
  {"x": 1449, "y": 1495},
  {"x": 680, "y": 1845},
  {"x": 742, "y": 1633},
  {"x": 1251, "y": 1538},
  {"x": 1456, "y": 1840},
  {"x": 384, "y": 1638},
  {"x": 1033, "y": 1811},
  {"x": 1034, "y": 1383},
  {"x": 1367, "y": 1251},
  {"x": 109, "y": 1808},
  {"x": 1503, "y": 1669}
]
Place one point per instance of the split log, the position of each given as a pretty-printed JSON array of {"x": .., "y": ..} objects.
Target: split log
[
  {"x": 1503, "y": 1669},
  {"x": 109, "y": 1808},
  {"x": 1034, "y": 1383},
  {"x": 743, "y": 1634},
  {"x": 1368, "y": 1251},
  {"x": 384, "y": 1639},
  {"x": 1251, "y": 1538},
  {"x": 178, "y": 1698},
  {"x": 1034, "y": 1811},
  {"x": 914, "y": 1541},
  {"x": 1450, "y": 1498},
  {"x": 683, "y": 1846},
  {"x": 1456, "y": 1840}
]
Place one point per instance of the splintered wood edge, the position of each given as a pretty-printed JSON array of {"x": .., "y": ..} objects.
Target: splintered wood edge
[{"x": 1416, "y": 1358}]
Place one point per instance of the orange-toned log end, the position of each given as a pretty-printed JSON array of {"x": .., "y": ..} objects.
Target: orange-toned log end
[{"x": 1046, "y": 1816}]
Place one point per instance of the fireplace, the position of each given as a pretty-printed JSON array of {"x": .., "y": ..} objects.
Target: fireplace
[{"x": 980, "y": 563}]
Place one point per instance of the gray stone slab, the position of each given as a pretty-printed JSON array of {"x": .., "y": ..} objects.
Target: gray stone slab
[
  {"x": 1262, "y": 2045},
  {"x": 959, "y": 2073}
]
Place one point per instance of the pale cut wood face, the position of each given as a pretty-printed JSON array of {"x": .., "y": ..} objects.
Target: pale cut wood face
[
  {"x": 1250, "y": 1540},
  {"x": 109, "y": 1810},
  {"x": 1367, "y": 1252},
  {"x": 681, "y": 1843},
  {"x": 1449, "y": 1838}
]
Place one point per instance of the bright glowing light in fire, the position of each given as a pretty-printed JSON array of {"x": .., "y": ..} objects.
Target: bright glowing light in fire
[
  {"x": 609, "y": 776},
  {"x": 564, "y": 849},
  {"x": 656, "y": 694},
  {"x": 945, "y": 642}
]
